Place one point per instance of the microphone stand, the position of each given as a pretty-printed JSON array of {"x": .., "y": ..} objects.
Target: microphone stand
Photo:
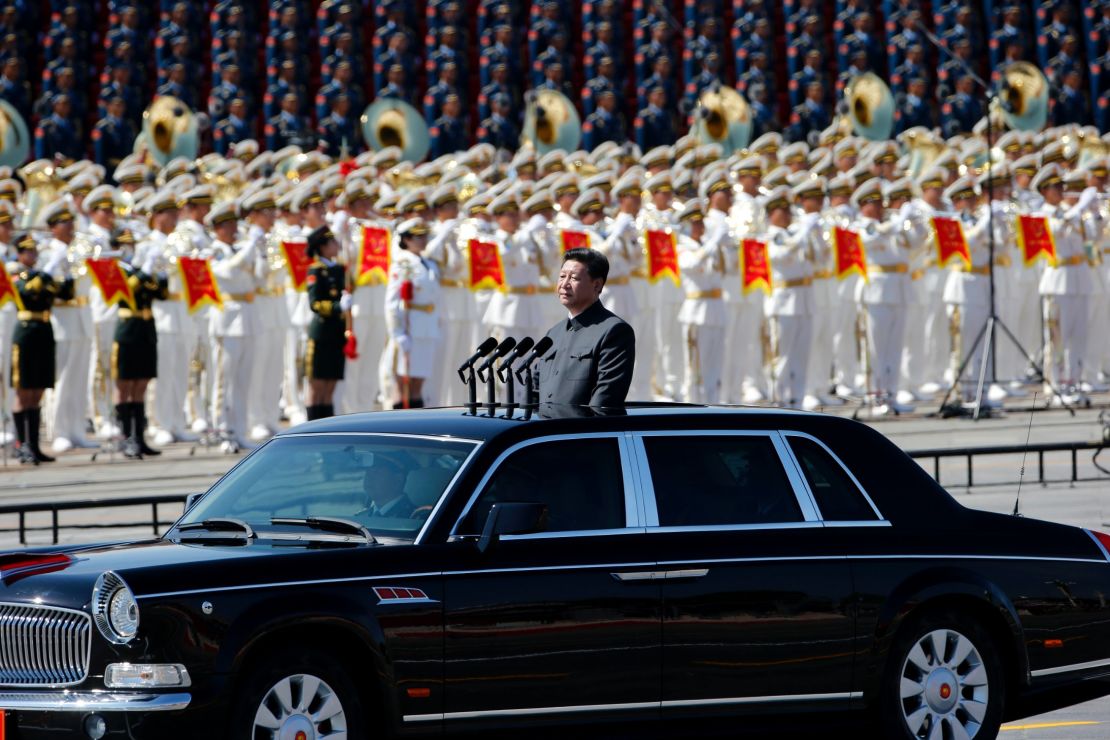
[
  {"x": 490, "y": 379},
  {"x": 471, "y": 388},
  {"x": 988, "y": 333}
]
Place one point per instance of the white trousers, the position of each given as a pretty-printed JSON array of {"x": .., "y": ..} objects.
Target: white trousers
[
  {"x": 743, "y": 350},
  {"x": 453, "y": 349},
  {"x": 263, "y": 406},
  {"x": 293, "y": 376},
  {"x": 172, "y": 384},
  {"x": 793, "y": 336},
  {"x": 886, "y": 329},
  {"x": 72, "y": 358},
  {"x": 1066, "y": 337},
  {"x": 360, "y": 377},
  {"x": 705, "y": 347},
  {"x": 915, "y": 361},
  {"x": 643, "y": 325},
  {"x": 819, "y": 372},
  {"x": 973, "y": 317},
  {"x": 199, "y": 399},
  {"x": 845, "y": 350},
  {"x": 100, "y": 372},
  {"x": 670, "y": 347},
  {"x": 231, "y": 360}
]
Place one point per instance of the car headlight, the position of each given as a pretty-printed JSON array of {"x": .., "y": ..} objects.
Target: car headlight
[{"x": 114, "y": 609}]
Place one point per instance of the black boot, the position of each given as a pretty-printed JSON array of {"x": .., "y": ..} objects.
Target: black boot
[
  {"x": 36, "y": 422},
  {"x": 138, "y": 413},
  {"x": 313, "y": 412},
  {"x": 326, "y": 410},
  {"x": 416, "y": 403},
  {"x": 22, "y": 448},
  {"x": 128, "y": 425}
]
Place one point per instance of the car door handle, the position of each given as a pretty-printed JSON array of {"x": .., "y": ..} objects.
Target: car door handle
[{"x": 659, "y": 575}]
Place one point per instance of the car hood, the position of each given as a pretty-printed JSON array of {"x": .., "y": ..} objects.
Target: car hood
[{"x": 159, "y": 567}]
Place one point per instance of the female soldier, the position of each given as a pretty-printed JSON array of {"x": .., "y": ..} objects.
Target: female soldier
[
  {"x": 324, "y": 353},
  {"x": 33, "y": 346},
  {"x": 410, "y": 305},
  {"x": 135, "y": 350}
]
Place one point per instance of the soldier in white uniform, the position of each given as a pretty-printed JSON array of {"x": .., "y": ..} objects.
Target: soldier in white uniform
[
  {"x": 1026, "y": 278},
  {"x": 734, "y": 215},
  {"x": 456, "y": 306},
  {"x": 191, "y": 239},
  {"x": 656, "y": 215},
  {"x": 176, "y": 332},
  {"x": 540, "y": 212},
  {"x": 928, "y": 343},
  {"x": 8, "y": 254},
  {"x": 884, "y": 295},
  {"x": 702, "y": 315},
  {"x": 790, "y": 305},
  {"x": 234, "y": 329},
  {"x": 1100, "y": 309},
  {"x": 99, "y": 204},
  {"x": 515, "y": 311},
  {"x": 846, "y": 309},
  {"x": 412, "y": 314},
  {"x": 73, "y": 329},
  {"x": 621, "y": 245}
]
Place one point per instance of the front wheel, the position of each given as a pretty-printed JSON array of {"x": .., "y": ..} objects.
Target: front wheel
[
  {"x": 303, "y": 695},
  {"x": 944, "y": 680}
]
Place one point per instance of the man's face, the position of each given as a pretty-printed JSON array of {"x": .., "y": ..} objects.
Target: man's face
[
  {"x": 1052, "y": 194},
  {"x": 103, "y": 217},
  {"x": 591, "y": 218},
  {"x": 577, "y": 290}
]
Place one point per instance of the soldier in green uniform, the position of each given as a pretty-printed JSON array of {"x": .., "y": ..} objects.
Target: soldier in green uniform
[
  {"x": 32, "y": 369},
  {"x": 327, "y": 334},
  {"x": 135, "y": 351}
]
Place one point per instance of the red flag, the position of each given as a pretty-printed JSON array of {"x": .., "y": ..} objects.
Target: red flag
[
  {"x": 1034, "y": 236},
  {"x": 297, "y": 262},
  {"x": 849, "y": 253},
  {"x": 373, "y": 256},
  {"x": 755, "y": 266},
  {"x": 574, "y": 240},
  {"x": 200, "y": 283},
  {"x": 662, "y": 256},
  {"x": 951, "y": 242},
  {"x": 8, "y": 291},
  {"x": 112, "y": 281},
  {"x": 486, "y": 270}
]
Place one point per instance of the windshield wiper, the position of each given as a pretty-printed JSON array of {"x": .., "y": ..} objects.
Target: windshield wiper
[
  {"x": 225, "y": 527},
  {"x": 337, "y": 525}
]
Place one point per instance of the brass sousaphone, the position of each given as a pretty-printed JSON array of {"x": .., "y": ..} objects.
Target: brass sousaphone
[
  {"x": 870, "y": 107},
  {"x": 1024, "y": 97},
  {"x": 169, "y": 131},
  {"x": 15, "y": 143},
  {"x": 392, "y": 122},
  {"x": 551, "y": 122},
  {"x": 723, "y": 117}
]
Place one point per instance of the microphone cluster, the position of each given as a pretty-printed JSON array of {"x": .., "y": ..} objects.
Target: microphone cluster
[{"x": 489, "y": 372}]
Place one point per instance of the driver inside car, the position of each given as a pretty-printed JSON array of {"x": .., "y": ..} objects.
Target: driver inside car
[{"x": 384, "y": 484}]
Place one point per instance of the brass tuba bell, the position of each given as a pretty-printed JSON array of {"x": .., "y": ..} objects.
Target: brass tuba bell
[
  {"x": 723, "y": 117},
  {"x": 551, "y": 122},
  {"x": 15, "y": 143},
  {"x": 392, "y": 122},
  {"x": 44, "y": 185},
  {"x": 870, "y": 107},
  {"x": 1024, "y": 97},
  {"x": 169, "y": 131}
]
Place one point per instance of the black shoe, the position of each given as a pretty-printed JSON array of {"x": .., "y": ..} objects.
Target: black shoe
[
  {"x": 127, "y": 424},
  {"x": 138, "y": 412},
  {"x": 22, "y": 449},
  {"x": 35, "y": 421}
]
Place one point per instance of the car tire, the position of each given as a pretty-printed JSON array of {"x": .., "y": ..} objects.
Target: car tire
[
  {"x": 308, "y": 690},
  {"x": 942, "y": 668}
]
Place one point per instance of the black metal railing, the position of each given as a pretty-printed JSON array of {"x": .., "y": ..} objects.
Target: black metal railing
[
  {"x": 970, "y": 453},
  {"x": 157, "y": 506}
]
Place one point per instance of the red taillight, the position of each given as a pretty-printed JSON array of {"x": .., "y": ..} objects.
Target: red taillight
[
  {"x": 15, "y": 561},
  {"x": 1103, "y": 540}
]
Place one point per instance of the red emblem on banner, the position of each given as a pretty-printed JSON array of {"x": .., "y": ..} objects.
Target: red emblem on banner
[
  {"x": 486, "y": 270},
  {"x": 574, "y": 240},
  {"x": 849, "y": 253},
  {"x": 200, "y": 283},
  {"x": 8, "y": 291},
  {"x": 297, "y": 262},
  {"x": 1034, "y": 236},
  {"x": 111, "y": 280},
  {"x": 755, "y": 266},
  {"x": 373, "y": 256},
  {"x": 951, "y": 242},
  {"x": 662, "y": 256}
]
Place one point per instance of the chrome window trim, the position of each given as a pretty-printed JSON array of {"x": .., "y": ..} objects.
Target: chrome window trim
[
  {"x": 801, "y": 494},
  {"x": 633, "y": 461},
  {"x": 429, "y": 437},
  {"x": 838, "y": 461},
  {"x": 1089, "y": 665},
  {"x": 629, "y": 706},
  {"x": 734, "y": 527},
  {"x": 573, "y": 534},
  {"x": 647, "y": 485},
  {"x": 629, "y": 499}
]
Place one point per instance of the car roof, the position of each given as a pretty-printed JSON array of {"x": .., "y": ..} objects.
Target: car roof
[{"x": 480, "y": 425}]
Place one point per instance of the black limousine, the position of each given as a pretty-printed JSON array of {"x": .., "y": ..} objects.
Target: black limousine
[{"x": 428, "y": 572}]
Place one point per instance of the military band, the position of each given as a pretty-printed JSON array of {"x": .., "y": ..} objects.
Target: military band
[{"x": 349, "y": 286}]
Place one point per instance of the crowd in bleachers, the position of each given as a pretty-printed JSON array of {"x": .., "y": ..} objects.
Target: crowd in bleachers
[{"x": 302, "y": 71}]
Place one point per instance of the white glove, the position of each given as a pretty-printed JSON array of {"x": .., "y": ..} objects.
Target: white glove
[
  {"x": 57, "y": 258},
  {"x": 622, "y": 222},
  {"x": 345, "y": 302},
  {"x": 404, "y": 343},
  {"x": 148, "y": 265},
  {"x": 536, "y": 222},
  {"x": 1087, "y": 198}
]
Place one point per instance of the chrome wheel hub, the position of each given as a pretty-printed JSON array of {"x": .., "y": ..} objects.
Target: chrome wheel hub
[
  {"x": 944, "y": 688},
  {"x": 300, "y": 707}
]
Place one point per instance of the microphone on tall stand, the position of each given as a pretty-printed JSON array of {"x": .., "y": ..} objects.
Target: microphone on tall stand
[
  {"x": 524, "y": 372},
  {"x": 466, "y": 372},
  {"x": 488, "y": 375},
  {"x": 505, "y": 372}
]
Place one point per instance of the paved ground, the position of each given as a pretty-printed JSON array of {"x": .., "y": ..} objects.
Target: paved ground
[{"x": 183, "y": 469}]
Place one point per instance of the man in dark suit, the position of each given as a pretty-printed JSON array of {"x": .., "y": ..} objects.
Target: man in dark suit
[
  {"x": 653, "y": 124},
  {"x": 384, "y": 484},
  {"x": 913, "y": 109},
  {"x": 594, "y": 350},
  {"x": 497, "y": 129}
]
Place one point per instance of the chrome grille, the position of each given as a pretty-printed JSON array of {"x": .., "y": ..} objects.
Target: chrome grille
[{"x": 43, "y": 646}]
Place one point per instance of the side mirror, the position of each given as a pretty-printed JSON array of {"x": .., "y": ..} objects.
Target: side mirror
[
  {"x": 512, "y": 518},
  {"x": 191, "y": 500}
]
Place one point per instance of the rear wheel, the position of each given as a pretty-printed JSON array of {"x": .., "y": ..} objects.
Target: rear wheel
[{"x": 944, "y": 681}]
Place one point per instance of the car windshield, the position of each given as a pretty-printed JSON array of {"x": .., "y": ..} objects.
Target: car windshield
[{"x": 387, "y": 484}]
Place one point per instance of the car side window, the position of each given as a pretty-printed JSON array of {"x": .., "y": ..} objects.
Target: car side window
[
  {"x": 719, "y": 480},
  {"x": 836, "y": 494},
  {"x": 579, "y": 480}
]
